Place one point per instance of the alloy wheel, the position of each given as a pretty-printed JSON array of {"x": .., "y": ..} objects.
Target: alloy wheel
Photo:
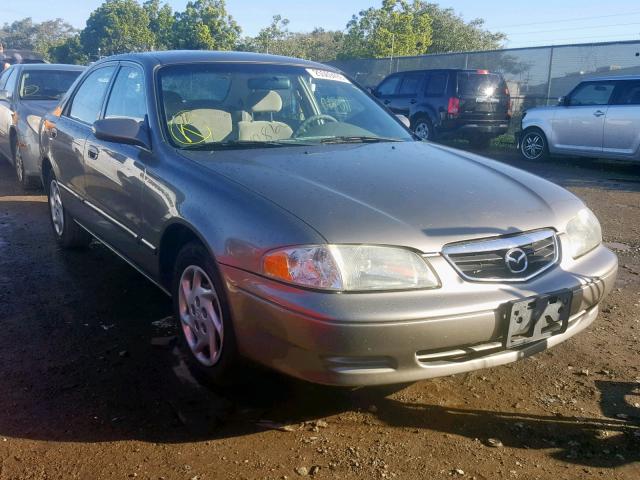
[
  {"x": 19, "y": 166},
  {"x": 422, "y": 131},
  {"x": 532, "y": 145},
  {"x": 57, "y": 211},
  {"x": 200, "y": 315}
]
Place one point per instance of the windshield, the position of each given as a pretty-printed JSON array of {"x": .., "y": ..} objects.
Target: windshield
[
  {"x": 46, "y": 84},
  {"x": 221, "y": 105}
]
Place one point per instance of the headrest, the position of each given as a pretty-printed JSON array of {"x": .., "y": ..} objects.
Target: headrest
[
  {"x": 265, "y": 101},
  {"x": 172, "y": 102}
]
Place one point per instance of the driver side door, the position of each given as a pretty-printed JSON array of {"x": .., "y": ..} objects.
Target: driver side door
[{"x": 578, "y": 127}]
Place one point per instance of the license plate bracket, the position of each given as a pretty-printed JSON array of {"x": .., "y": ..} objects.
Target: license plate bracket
[{"x": 537, "y": 318}]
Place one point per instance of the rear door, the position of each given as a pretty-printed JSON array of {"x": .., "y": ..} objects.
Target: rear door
[
  {"x": 407, "y": 94},
  {"x": 483, "y": 97},
  {"x": 622, "y": 121},
  {"x": 68, "y": 134},
  {"x": 578, "y": 127}
]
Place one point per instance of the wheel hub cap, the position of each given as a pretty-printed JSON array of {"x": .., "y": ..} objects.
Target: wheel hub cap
[
  {"x": 57, "y": 212},
  {"x": 422, "y": 131},
  {"x": 532, "y": 146},
  {"x": 200, "y": 315}
]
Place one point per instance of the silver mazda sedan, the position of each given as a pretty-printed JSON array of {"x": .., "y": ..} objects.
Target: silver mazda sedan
[{"x": 297, "y": 224}]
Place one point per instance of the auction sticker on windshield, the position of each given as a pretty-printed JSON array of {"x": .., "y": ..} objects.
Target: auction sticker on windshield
[{"x": 327, "y": 75}]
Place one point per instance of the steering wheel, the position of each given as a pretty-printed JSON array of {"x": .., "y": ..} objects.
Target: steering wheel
[{"x": 313, "y": 119}]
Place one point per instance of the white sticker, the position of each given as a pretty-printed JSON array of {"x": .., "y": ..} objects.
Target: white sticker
[{"x": 327, "y": 75}]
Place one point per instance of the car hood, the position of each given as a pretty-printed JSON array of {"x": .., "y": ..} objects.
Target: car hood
[{"x": 413, "y": 194}]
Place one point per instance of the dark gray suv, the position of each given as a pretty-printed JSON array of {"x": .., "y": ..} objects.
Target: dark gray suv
[{"x": 298, "y": 224}]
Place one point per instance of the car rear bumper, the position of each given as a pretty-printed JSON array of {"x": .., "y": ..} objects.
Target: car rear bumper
[{"x": 385, "y": 338}]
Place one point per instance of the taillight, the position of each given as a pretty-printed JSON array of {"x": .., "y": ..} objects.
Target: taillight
[
  {"x": 454, "y": 106},
  {"x": 482, "y": 72}
]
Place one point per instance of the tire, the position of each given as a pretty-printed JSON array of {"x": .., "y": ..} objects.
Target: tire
[
  {"x": 206, "y": 335},
  {"x": 480, "y": 142},
  {"x": 423, "y": 128},
  {"x": 533, "y": 145},
  {"x": 67, "y": 232},
  {"x": 26, "y": 182}
]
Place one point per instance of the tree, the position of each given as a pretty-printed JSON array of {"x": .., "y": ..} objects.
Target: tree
[
  {"x": 117, "y": 26},
  {"x": 450, "y": 33},
  {"x": 160, "y": 23},
  {"x": 205, "y": 25},
  {"x": 69, "y": 51},
  {"x": 39, "y": 37},
  {"x": 398, "y": 28},
  {"x": 318, "y": 45}
]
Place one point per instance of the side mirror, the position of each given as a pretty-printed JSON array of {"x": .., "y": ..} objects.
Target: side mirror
[
  {"x": 122, "y": 130},
  {"x": 4, "y": 95},
  {"x": 562, "y": 101},
  {"x": 405, "y": 121}
]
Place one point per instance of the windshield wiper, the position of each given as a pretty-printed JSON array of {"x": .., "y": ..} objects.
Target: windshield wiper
[
  {"x": 240, "y": 144},
  {"x": 358, "y": 139}
]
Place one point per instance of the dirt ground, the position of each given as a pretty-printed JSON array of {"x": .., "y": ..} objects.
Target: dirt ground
[{"x": 92, "y": 386}]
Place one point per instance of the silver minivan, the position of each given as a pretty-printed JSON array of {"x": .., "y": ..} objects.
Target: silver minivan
[{"x": 599, "y": 118}]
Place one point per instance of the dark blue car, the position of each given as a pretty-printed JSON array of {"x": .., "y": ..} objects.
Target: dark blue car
[{"x": 472, "y": 104}]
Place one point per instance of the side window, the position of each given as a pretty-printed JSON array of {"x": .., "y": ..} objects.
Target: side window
[
  {"x": 436, "y": 84},
  {"x": 10, "y": 85},
  {"x": 410, "y": 84},
  {"x": 629, "y": 94},
  {"x": 4, "y": 77},
  {"x": 389, "y": 86},
  {"x": 127, "y": 98},
  {"x": 597, "y": 93},
  {"x": 87, "y": 101}
]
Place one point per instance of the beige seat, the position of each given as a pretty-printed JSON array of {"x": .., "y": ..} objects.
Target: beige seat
[
  {"x": 202, "y": 125},
  {"x": 266, "y": 102}
]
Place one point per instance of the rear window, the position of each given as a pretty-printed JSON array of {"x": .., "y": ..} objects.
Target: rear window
[
  {"x": 480, "y": 84},
  {"x": 46, "y": 84}
]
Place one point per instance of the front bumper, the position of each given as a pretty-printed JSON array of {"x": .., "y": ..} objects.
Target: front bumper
[{"x": 384, "y": 338}]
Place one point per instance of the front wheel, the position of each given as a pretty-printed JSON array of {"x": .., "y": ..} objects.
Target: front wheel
[
  {"x": 207, "y": 337},
  {"x": 533, "y": 145}
]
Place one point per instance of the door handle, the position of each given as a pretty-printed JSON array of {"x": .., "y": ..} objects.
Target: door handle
[
  {"x": 412, "y": 101},
  {"x": 598, "y": 113},
  {"x": 93, "y": 152}
]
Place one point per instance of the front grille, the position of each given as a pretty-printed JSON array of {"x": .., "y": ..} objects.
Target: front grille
[{"x": 502, "y": 258}]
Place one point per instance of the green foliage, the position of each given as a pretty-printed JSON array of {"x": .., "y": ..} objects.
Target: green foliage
[
  {"x": 69, "y": 51},
  {"x": 39, "y": 37},
  {"x": 161, "y": 21},
  {"x": 117, "y": 26},
  {"x": 205, "y": 25},
  {"x": 450, "y": 33},
  {"x": 398, "y": 28},
  {"x": 318, "y": 45}
]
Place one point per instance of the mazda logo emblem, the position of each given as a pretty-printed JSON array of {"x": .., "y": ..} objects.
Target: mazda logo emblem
[{"x": 516, "y": 260}]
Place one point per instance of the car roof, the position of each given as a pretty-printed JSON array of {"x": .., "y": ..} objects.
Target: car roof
[
  {"x": 49, "y": 66},
  {"x": 171, "y": 57},
  {"x": 612, "y": 77},
  {"x": 455, "y": 70}
]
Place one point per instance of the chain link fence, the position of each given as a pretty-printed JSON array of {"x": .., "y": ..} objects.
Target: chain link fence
[{"x": 536, "y": 76}]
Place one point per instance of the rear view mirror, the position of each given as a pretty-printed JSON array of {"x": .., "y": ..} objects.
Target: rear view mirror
[
  {"x": 122, "y": 130},
  {"x": 405, "y": 121},
  {"x": 269, "y": 83},
  {"x": 562, "y": 101}
]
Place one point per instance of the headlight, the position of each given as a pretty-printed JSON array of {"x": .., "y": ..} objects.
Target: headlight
[
  {"x": 350, "y": 268},
  {"x": 584, "y": 233}
]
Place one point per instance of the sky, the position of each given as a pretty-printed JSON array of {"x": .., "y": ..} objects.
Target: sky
[{"x": 542, "y": 22}]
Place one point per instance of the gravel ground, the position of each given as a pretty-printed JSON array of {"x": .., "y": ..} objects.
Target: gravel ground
[{"x": 92, "y": 386}]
